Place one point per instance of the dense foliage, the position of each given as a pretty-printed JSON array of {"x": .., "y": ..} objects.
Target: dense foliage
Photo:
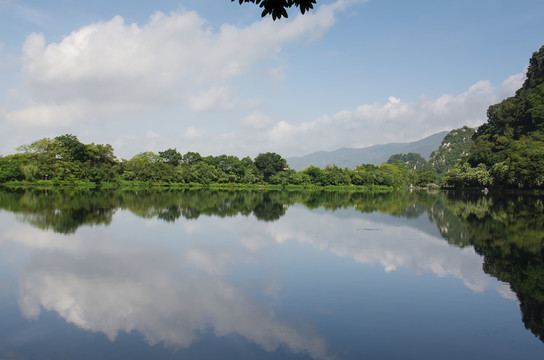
[
  {"x": 508, "y": 150},
  {"x": 411, "y": 160},
  {"x": 64, "y": 160},
  {"x": 420, "y": 172},
  {"x": 454, "y": 147}
]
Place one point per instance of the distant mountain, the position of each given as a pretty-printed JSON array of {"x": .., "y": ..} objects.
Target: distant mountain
[{"x": 377, "y": 154}]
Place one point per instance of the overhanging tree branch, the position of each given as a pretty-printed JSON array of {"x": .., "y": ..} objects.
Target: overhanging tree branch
[{"x": 278, "y": 8}]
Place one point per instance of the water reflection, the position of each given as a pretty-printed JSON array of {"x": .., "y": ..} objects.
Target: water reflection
[
  {"x": 113, "y": 280},
  {"x": 112, "y": 285}
]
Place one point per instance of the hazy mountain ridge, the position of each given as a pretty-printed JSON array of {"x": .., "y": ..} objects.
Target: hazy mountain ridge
[{"x": 376, "y": 154}]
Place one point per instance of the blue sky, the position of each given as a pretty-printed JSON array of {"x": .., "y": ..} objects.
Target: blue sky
[{"x": 214, "y": 77}]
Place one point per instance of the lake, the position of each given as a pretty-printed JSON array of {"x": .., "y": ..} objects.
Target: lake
[{"x": 201, "y": 274}]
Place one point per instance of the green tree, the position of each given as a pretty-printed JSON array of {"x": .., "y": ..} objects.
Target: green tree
[
  {"x": 42, "y": 146},
  {"x": 426, "y": 177},
  {"x": 30, "y": 171},
  {"x": 333, "y": 175},
  {"x": 145, "y": 166},
  {"x": 269, "y": 164},
  {"x": 204, "y": 173},
  {"x": 364, "y": 175},
  {"x": 191, "y": 158},
  {"x": 250, "y": 174},
  {"x": 315, "y": 175},
  {"x": 463, "y": 175},
  {"x": 10, "y": 167},
  {"x": 390, "y": 175},
  {"x": 171, "y": 157},
  {"x": 99, "y": 154},
  {"x": 69, "y": 147}
]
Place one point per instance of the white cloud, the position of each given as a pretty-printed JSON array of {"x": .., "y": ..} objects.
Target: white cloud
[
  {"x": 368, "y": 124},
  {"x": 46, "y": 115},
  {"x": 512, "y": 84},
  {"x": 218, "y": 98},
  {"x": 115, "y": 70},
  {"x": 192, "y": 133},
  {"x": 111, "y": 67},
  {"x": 276, "y": 73},
  {"x": 152, "y": 135},
  {"x": 256, "y": 120}
]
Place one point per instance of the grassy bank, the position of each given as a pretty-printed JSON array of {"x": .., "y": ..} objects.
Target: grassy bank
[{"x": 141, "y": 185}]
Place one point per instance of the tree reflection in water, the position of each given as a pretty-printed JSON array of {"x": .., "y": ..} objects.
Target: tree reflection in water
[{"x": 507, "y": 229}]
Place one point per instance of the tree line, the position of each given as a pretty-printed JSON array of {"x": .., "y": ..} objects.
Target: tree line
[
  {"x": 66, "y": 160},
  {"x": 454, "y": 147},
  {"x": 505, "y": 152}
]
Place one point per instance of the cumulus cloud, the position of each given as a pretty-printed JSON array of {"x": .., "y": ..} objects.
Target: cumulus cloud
[
  {"x": 512, "y": 84},
  {"x": 218, "y": 98},
  {"x": 256, "y": 120},
  {"x": 277, "y": 73},
  {"x": 394, "y": 121},
  {"x": 193, "y": 133},
  {"x": 366, "y": 125},
  {"x": 116, "y": 70},
  {"x": 152, "y": 135},
  {"x": 46, "y": 115},
  {"x": 112, "y": 67}
]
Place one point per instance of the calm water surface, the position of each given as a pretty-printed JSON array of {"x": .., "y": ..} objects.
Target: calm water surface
[{"x": 270, "y": 275}]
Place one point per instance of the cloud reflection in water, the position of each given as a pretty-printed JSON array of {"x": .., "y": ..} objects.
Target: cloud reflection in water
[{"x": 109, "y": 284}]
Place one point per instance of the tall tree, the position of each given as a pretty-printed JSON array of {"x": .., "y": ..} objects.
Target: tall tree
[
  {"x": 171, "y": 157},
  {"x": 70, "y": 148},
  {"x": 269, "y": 164},
  {"x": 191, "y": 158}
]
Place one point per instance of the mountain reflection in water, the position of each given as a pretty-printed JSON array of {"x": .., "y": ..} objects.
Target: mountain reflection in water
[{"x": 170, "y": 276}]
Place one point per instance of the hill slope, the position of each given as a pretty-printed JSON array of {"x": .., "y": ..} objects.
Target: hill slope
[
  {"x": 508, "y": 150},
  {"x": 376, "y": 155},
  {"x": 454, "y": 146}
]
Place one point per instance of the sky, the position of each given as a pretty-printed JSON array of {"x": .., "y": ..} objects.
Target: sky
[{"x": 214, "y": 77}]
